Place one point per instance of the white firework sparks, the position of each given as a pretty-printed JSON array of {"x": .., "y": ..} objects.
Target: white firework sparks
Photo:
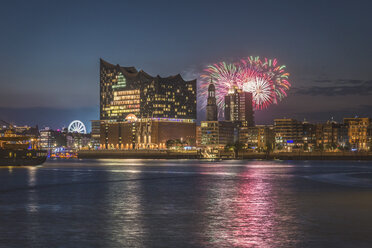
[{"x": 261, "y": 90}]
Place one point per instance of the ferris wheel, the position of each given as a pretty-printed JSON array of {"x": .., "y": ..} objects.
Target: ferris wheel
[{"x": 77, "y": 127}]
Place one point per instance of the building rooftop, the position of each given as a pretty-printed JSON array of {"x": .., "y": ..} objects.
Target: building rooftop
[{"x": 132, "y": 72}]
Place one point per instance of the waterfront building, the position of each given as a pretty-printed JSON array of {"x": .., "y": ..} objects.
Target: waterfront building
[
  {"x": 140, "y": 111},
  {"x": 331, "y": 136},
  {"x": 259, "y": 137},
  {"x": 211, "y": 103},
  {"x": 47, "y": 139},
  {"x": 146, "y": 133},
  {"x": 358, "y": 130},
  {"x": 50, "y": 139},
  {"x": 124, "y": 91},
  {"x": 309, "y": 132},
  {"x": 96, "y": 133},
  {"x": 217, "y": 134},
  {"x": 78, "y": 141},
  {"x": 288, "y": 134},
  {"x": 239, "y": 107},
  {"x": 198, "y": 136},
  {"x": 249, "y": 136}
]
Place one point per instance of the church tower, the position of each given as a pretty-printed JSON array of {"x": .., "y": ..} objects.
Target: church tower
[{"x": 211, "y": 103}]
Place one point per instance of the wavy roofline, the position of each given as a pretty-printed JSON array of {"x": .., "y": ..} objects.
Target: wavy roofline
[{"x": 132, "y": 72}]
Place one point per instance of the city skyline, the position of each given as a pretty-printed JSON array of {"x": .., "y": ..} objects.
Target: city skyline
[
  {"x": 51, "y": 53},
  {"x": 199, "y": 123}
]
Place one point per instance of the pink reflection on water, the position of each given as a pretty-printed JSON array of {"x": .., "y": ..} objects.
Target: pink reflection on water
[
  {"x": 248, "y": 212},
  {"x": 254, "y": 210}
]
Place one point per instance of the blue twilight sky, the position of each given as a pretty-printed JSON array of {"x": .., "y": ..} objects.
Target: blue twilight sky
[{"x": 50, "y": 50}]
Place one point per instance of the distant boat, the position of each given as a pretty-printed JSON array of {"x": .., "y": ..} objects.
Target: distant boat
[
  {"x": 22, "y": 157},
  {"x": 15, "y": 150}
]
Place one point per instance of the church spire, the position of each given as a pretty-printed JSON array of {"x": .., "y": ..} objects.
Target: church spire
[{"x": 211, "y": 103}]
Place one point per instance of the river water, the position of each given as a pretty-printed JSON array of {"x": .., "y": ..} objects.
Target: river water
[{"x": 186, "y": 203}]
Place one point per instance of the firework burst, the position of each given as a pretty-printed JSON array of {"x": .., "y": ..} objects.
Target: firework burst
[
  {"x": 274, "y": 72},
  {"x": 264, "y": 78},
  {"x": 261, "y": 90},
  {"x": 224, "y": 75}
]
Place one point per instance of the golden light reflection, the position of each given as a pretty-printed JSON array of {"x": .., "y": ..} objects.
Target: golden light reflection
[
  {"x": 32, "y": 175},
  {"x": 125, "y": 211},
  {"x": 32, "y": 203}
]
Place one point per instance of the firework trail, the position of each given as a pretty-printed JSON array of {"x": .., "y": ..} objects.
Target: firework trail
[
  {"x": 224, "y": 75},
  {"x": 265, "y": 79},
  {"x": 274, "y": 72}
]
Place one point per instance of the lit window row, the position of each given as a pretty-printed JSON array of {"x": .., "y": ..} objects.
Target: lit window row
[
  {"x": 127, "y": 92},
  {"x": 126, "y": 102}
]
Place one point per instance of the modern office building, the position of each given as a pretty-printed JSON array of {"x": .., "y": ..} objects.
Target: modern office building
[
  {"x": 124, "y": 91},
  {"x": 96, "y": 134},
  {"x": 239, "y": 107},
  {"x": 140, "y": 111},
  {"x": 47, "y": 139}
]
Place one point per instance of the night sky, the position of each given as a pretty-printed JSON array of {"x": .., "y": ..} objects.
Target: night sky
[{"x": 50, "y": 50}]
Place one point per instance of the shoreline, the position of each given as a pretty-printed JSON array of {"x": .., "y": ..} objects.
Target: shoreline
[{"x": 164, "y": 154}]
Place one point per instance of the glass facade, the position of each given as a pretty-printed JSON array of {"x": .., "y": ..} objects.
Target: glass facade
[
  {"x": 124, "y": 91},
  {"x": 238, "y": 107}
]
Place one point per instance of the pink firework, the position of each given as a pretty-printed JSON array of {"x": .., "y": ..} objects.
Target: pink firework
[
  {"x": 265, "y": 79},
  {"x": 224, "y": 75}
]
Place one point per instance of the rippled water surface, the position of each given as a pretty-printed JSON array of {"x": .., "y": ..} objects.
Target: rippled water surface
[{"x": 186, "y": 203}]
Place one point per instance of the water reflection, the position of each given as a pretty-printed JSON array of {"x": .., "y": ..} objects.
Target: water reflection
[
  {"x": 245, "y": 212},
  {"x": 184, "y": 204},
  {"x": 124, "y": 212},
  {"x": 254, "y": 210},
  {"x": 32, "y": 205}
]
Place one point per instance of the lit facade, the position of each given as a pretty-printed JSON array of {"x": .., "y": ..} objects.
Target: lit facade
[
  {"x": 96, "y": 133},
  {"x": 332, "y": 135},
  {"x": 124, "y": 91},
  {"x": 47, "y": 139},
  {"x": 78, "y": 141},
  {"x": 217, "y": 134},
  {"x": 258, "y": 137},
  {"x": 239, "y": 107},
  {"x": 138, "y": 111},
  {"x": 309, "y": 136},
  {"x": 146, "y": 133},
  {"x": 288, "y": 133},
  {"x": 198, "y": 136},
  {"x": 359, "y": 130}
]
